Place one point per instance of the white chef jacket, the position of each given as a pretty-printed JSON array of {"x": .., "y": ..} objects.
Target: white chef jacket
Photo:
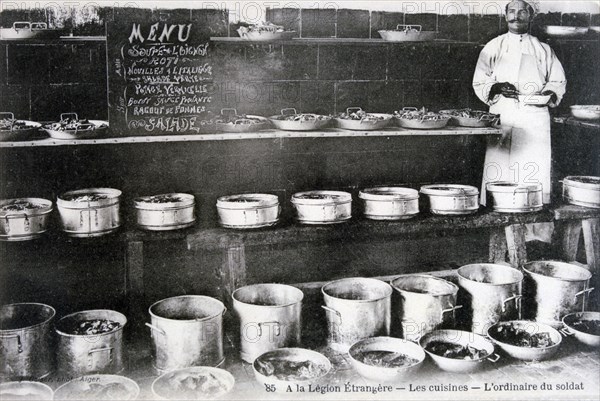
[{"x": 522, "y": 154}]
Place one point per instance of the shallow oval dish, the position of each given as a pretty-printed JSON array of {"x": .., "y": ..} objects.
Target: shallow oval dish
[
  {"x": 25, "y": 391},
  {"x": 194, "y": 383},
  {"x": 12, "y": 129},
  {"x": 586, "y": 112},
  {"x": 70, "y": 127},
  {"x": 290, "y": 358},
  {"x": 98, "y": 387},
  {"x": 386, "y": 344},
  {"x": 572, "y": 327},
  {"x": 521, "y": 352}
]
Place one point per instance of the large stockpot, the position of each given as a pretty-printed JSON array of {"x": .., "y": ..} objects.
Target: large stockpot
[
  {"x": 452, "y": 199},
  {"x": 165, "y": 212},
  {"x": 582, "y": 191},
  {"x": 322, "y": 207},
  {"x": 390, "y": 203},
  {"x": 555, "y": 289},
  {"x": 356, "y": 308},
  {"x": 491, "y": 293},
  {"x": 269, "y": 317},
  {"x": 424, "y": 303},
  {"x": 26, "y": 343},
  {"x": 248, "y": 210},
  {"x": 82, "y": 354},
  {"x": 510, "y": 197},
  {"x": 23, "y": 218},
  {"x": 90, "y": 212},
  {"x": 186, "y": 331}
]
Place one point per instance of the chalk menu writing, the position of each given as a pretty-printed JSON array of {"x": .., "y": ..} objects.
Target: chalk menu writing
[{"x": 160, "y": 78}]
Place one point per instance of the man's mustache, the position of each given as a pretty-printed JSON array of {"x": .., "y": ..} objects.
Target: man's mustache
[{"x": 515, "y": 20}]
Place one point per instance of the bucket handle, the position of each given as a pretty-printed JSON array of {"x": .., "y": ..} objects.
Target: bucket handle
[
  {"x": 494, "y": 358},
  {"x": 452, "y": 309},
  {"x": 19, "y": 343},
  {"x": 517, "y": 299},
  {"x": 277, "y": 328},
  {"x": 586, "y": 291},
  {"x": 161, "y": 331},
  {"x": 95, "y": 350},
  {"x": 566, "y": 332},
  {"x": 328, "y": 309}
]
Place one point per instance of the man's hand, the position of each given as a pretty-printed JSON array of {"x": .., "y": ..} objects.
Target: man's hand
[
  {"x": 505, "y": 89},
  {"x": 553, "y": 97}
]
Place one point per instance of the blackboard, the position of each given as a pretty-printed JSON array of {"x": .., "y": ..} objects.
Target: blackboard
[{"x": 160, "y": 77}]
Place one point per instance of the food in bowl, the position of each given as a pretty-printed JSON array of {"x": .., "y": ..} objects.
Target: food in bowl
[
  {"x": 385, "y": 359},
  {"x": 512, "y": 335},
  {"x": 71, "y": 123},
  {"x": 94, "y": 326},
  {"x": 302, "y": 117},
  {"x": 455, "y": 351},
  {"x": 587, "y": 326},
  {"x": 422, "y": 114},
  {"x": 289, "y": 370},
  {"x": 165, "y": 198},
  {"x": 191, "y": 385},
  {"x": 360, "y": 115},
  {"x": 85, "y": 197},
  {"x": 20, "y": 205},
  {"x": 101, "y": 391}
]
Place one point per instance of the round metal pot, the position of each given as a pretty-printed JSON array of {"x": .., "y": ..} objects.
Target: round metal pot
[
  {"x": 555, "y": 289},
  {"x": 463, "y": 338},
  {"x": 510, "y": 197},
  {"x": 81, "y": 354},
  {"x": 89, "y": 218},
  {"x": 450, "y": 199},
  {"x": 292, "y": 355},
  {"x": 248, "y": 210},
  {"x": 490, "y": 293},
  {"x": 390, "y": 203},
  {"x": 96, "y": 387},
  {"x": 187, "y": 331},
  {"x": 25, "y": 391},
  {"x": 424, "y": 303},
  {"x": 356, "y": 308},
  {"x": 169, "y": 385},
  {"x": 593, "y": 340},
  {"x": 269, "y": 317},
  {"x": 527, "y": 353},
  {"x": 390, "y": 344},
  {"x": 582, "y": 191},
  {"x": 26, "y": 340},
  {"x": 19, "y": 221},
  {"x": 165, "y": 212},
  {"x": 322, "y": 207}
]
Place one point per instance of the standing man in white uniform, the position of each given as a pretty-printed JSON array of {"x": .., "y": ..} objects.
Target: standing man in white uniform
[{"x": 510, "y": 69}]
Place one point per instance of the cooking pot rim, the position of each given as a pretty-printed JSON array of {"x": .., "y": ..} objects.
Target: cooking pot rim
[
  {"x": 187, "y": 321},
  {"x": 287, "y": 287},
  {"x": 563, "y": 264},
  {"x": 453, "y": 286},
  {"x": 512, "y": 269},
  {"x": 52, "y": 310},
  {"x": 62, "y": 333},
  {"x": 388, "y": 289}
]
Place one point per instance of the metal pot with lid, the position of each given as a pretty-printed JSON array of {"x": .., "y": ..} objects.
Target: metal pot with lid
[
  {"x": 511, "y": 197},
  {"x": 23, "y": 218},
  {"x": 322, "y": 207},
  {"x": 248, "y": 210},
  {"x": 452, "y": 199},
  {"x": 390, "y": 203},
  {"x": 163, "y": 212},
  {"x": 90, "y": 212},
  {"x": 582, "y": 190}
]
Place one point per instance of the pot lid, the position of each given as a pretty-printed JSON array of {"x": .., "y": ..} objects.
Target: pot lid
[
  {"x": 449, "y": 190},
  {"x": 321, "y": 197},
  {"x": 83, "y": 198},
  {"x": 583, "y": 181},
  {"x": 164, "y": 201},
  {"x": 247, "y": 201},
  {"x": 388, "y": 193},
  {"x": 20, "y": 206},
  {"x": 512, "y": 187}
]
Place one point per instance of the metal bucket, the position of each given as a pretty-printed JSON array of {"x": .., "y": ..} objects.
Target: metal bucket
[
  {"x": 187, "y": 331},
  {"x": 26, "y": 341},
  {"x": 357, "y": 308},
  {"x": 424, "y": 303},
  {"x": 491, "y": 293},
  {"x": 555, "y": 289},
  {"x": 82, "y": 354},
  {"x": 269, "y": 318}
]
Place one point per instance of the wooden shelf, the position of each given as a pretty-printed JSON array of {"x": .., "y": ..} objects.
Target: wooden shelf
[
  {"x": 340, "y": 41},
  {"x": 265, "y": 134}
]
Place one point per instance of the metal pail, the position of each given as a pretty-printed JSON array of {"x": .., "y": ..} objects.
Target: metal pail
[
  {"x": 187, "y": 331},
  {"x": 357, "y": 308},
  {"x": 491, "y": 293}
]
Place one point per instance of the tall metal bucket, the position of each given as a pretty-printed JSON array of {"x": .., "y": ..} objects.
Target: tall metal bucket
[
  {"x": 555, "y": 289},
  {"x": 26, "y": 342},
  {"x": 490, "y": 293},
  {"x": 269, "y": 317},
  {"x": 357, "y": 308},
  {"x": 187, "y": 331},
  {"x": 424, "y": 303}
]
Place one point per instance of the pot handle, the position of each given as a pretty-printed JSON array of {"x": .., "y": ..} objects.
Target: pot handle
[
  {"x": 63, "y": 115},
  {"x": 353, "y": 108},
  {"x": 328, "y": 309},
  {"x": 156, "y": 329},
  {"x": 283, "y": 111},
  {"x": 19, "y": 343},
  {"x": 494, "y": 358},
  {"x": 452, "y": 309},
  {"x": 96, "y": 350},
  {"x": 586, "y": 291},
  {"x": 7, "y": 113},
  {"x": 229, "y": 110},
  {"x": 224, "y": 310},
  {"x": 277, "y": 328},
  {"x": 566, "y": 332},
  {"x": 517, "y": 299}
]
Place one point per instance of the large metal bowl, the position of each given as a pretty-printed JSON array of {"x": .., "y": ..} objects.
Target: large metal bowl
[
  {"x": 407, "y": 33},
  {"x": 12, "y": 129},
  {"x": 167, "y": 386},
  {"x": 291, "y": 355},
  {"x": 571, "y": 319},
  {"x": 98, "y": 387},
  {"x": 25, "y": 391},
  {"x": 86, "y": 130},
  {"x": 306, "y": 121},
  {"x": 560, "y": 31},
  {"x": 368, "y": 122},
  {"x": 241, "y": 124},
  {"x": 390, "y": 344},
  {"x": 586, "y": 112},
  {"x": 527, "y": 353}
]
